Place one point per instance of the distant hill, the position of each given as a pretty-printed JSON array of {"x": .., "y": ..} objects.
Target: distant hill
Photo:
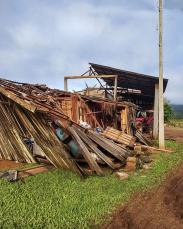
[{"x": 178, "y": 110}]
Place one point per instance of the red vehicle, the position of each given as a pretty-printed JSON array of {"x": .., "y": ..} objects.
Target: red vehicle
[{"x": 144, "y": 120}]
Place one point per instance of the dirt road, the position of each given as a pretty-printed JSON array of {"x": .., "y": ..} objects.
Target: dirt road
[
  {"x": 162, "y": 208},
  {"x": 174, "y": 133}
]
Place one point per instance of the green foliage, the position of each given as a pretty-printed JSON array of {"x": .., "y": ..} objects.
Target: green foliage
[
  {"x": 178, "y": 111},
  {"x": 59, "y": 199},
  {"x": 168, "y": 111},
  {"x": 178, "y": 115}
]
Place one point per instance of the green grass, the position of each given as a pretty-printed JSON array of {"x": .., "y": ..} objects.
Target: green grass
[
  {"x": 177, "y": 121},
  {"x": 59, "y": 199}
]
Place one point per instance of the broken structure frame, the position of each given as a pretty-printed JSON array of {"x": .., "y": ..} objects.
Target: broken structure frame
[
  {"x": 96, "y": 76},
  {"x": 155, "y": 121}
]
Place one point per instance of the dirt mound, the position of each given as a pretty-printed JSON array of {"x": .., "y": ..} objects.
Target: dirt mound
[
  {"x": 162, "y": 208},
  {"x": 5, "y": 164}
]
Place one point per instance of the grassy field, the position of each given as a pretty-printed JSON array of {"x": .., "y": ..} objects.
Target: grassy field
[
  {"x": 177, "y": 121},
  {"x": 59, "y": 199}
]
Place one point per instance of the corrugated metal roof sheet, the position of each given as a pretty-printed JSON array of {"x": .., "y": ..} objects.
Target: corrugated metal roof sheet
[{"x": 129, "y": 80}]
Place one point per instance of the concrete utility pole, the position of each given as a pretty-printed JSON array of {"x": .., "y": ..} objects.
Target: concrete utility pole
[{"x": 161, "y": 105}]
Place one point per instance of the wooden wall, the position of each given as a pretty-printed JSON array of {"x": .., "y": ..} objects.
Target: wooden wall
[{"x": 118, "y": 116}]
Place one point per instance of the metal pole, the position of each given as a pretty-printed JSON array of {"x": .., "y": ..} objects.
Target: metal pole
[{"x": 161, "y": 105}]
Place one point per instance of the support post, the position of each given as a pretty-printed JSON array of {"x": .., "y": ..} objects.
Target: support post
[
  {"x": 115, "y": 87},
  {"x": 65, "y": 83},
  {"x": 156, "y": 100},
  {"x": 161, "y": 105}
]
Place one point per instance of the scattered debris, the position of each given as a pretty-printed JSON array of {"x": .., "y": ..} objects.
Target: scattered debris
[
  {"x": 10, "y": 175},
  {"x": 146, "y": 167},
  {"x": 142, "y": 138},
  {"x": 131, "y": 159},
  {"x": 34, "y": 170},
  {"x": 122, "y": 176}
]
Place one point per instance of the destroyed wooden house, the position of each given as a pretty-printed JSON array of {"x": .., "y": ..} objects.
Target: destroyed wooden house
[
  {"x": 52, "y": 119},
  {"x": 97, "y": 126}
]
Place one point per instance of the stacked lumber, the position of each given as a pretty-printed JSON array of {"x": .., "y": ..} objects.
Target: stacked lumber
[{"x": 120, "y": 137}]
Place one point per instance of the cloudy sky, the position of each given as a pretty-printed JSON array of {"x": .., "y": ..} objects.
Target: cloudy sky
[{"x": 43, "y": 41}]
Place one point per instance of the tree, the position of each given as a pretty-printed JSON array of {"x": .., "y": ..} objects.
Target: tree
[{"x": 168, "y": 111}]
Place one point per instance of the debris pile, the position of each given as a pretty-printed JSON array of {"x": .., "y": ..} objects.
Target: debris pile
[{"x": 50, "y": 120}]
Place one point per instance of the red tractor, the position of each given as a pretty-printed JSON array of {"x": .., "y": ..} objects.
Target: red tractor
[{"x": 144, "y": 120}]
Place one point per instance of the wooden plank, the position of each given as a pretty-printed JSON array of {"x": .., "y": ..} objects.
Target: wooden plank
[
  {"x": 34, "y": 170},
  {"x": 123, "y": 123},
  {"x": 157, "y": 149},
  {"x": 74, "y": 103},
  {"x": 86, "y": 154}
]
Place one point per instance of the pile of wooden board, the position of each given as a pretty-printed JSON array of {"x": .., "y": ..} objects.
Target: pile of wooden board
[
  {"x": 120, "y": 137},
  {"x": 91, "y": 143}
]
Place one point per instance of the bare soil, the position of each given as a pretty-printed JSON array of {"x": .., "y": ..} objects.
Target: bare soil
[
  {"x": 5, "y": 164},
  {"x": 162, "y": 208},
  {"x": 174, "y": 133}
]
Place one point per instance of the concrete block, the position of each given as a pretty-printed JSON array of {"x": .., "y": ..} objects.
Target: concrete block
[{"x": 122, "y": 176}]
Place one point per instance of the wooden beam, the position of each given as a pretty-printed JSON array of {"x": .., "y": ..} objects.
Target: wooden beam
[
  {"x": 87, "y": 77},
  {"x": 115, "y": 88}
]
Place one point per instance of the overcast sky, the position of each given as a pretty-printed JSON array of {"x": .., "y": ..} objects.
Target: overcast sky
[{"x": 41, "y": 41}]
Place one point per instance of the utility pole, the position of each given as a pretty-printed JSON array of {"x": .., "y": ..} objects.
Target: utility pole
[{"x": 161, "y": 104}]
